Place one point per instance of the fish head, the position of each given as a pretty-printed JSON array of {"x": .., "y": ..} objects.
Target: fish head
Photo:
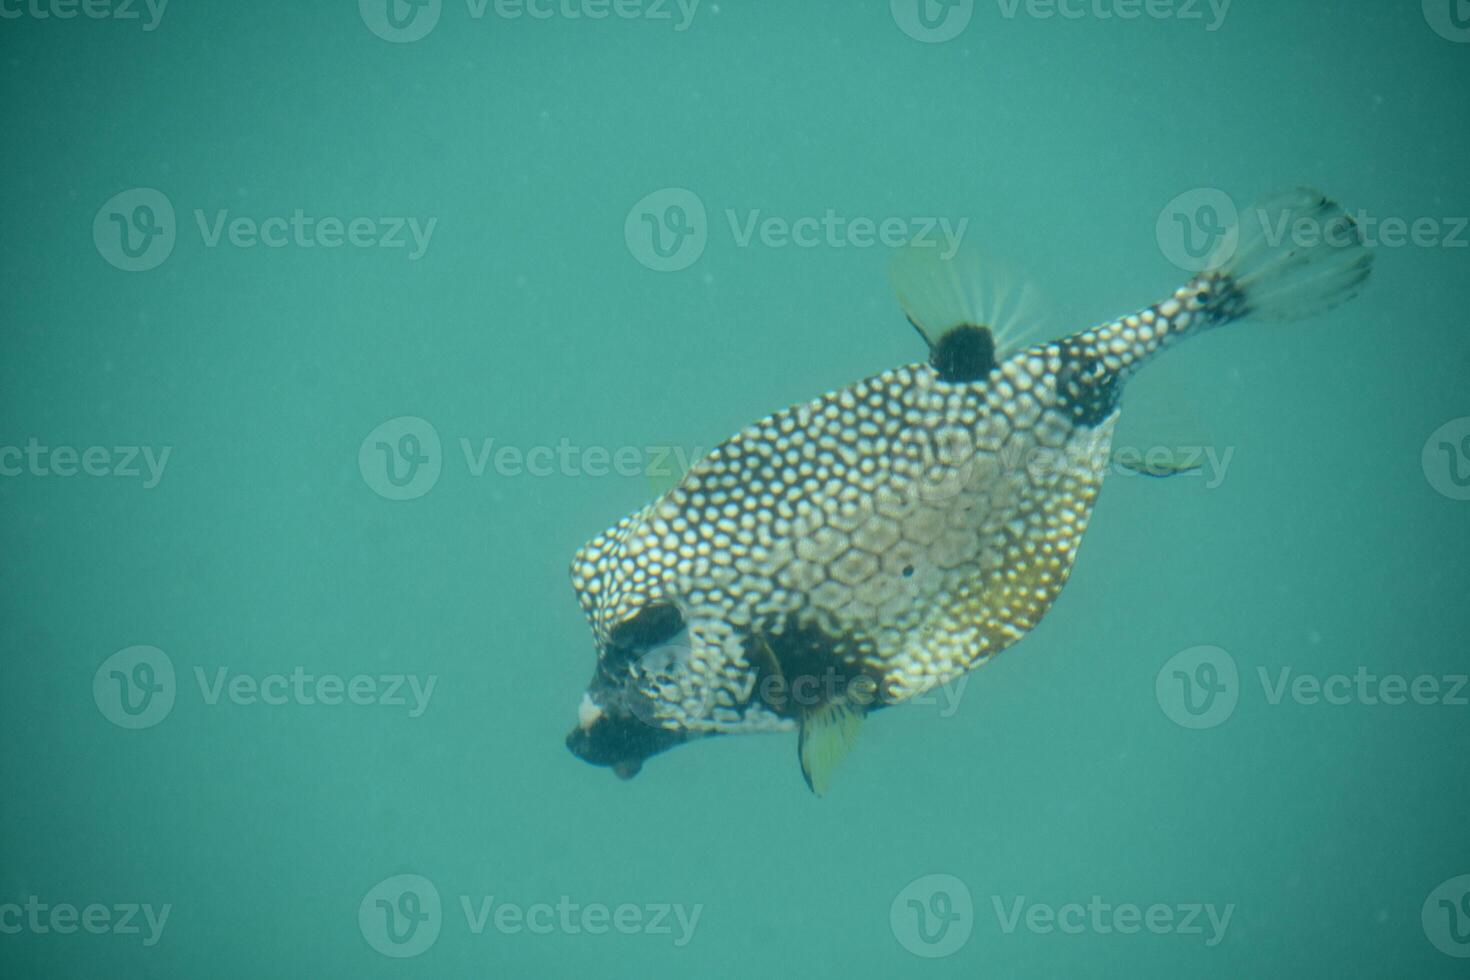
[{"x": 621, "y": 720}]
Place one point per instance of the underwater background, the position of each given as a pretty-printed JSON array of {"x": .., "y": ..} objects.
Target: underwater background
[{"x": 331, "y": 330}]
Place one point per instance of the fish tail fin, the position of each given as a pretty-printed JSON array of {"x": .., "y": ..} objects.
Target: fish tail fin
[
  {"x": 1292, "y": 255},
  {"x": 1289, "y": 257},
  {"x": 828, "y": 734}
]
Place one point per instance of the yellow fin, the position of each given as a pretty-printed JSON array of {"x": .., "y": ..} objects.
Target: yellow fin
[{"x": 827, "y": 735}]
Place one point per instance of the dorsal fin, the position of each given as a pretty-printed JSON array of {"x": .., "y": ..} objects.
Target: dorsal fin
[{"x": 971, "y": 310}]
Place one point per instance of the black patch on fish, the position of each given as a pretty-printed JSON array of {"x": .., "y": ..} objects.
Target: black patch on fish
[
  {"x": 966, "y": 353},
  {"x": 1089, "y": 393},
  {"x": 803, "y": 668},
  {"x": 655, "y": 623},
  {"x": 622, "y": 742}
]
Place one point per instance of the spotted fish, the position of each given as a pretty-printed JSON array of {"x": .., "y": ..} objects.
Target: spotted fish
[{"x": 860, "y": 549}]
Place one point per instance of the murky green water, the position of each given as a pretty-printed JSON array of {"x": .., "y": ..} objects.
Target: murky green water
[{"x": 328, "y": 334}]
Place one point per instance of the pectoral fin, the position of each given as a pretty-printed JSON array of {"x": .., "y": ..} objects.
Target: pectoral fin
[{"x": 1159, "y": 466}]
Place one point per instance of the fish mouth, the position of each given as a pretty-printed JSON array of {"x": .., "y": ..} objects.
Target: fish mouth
[{"x": 610, "y": 735}]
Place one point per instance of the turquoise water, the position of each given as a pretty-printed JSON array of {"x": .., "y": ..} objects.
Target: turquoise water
[{"x": 254, "y": 673}]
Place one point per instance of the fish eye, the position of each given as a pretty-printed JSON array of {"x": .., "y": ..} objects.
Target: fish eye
[{"x": 655, "y": 623}]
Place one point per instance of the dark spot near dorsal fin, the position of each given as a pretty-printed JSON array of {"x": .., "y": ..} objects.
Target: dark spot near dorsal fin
[{"x": 964, "y": 353}]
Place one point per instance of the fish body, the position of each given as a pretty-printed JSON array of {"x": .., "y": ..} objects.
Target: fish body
[{"x": 865, "y": 547}]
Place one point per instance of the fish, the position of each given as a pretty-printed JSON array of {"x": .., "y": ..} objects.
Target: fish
[{"x": 855, "y": 551}]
